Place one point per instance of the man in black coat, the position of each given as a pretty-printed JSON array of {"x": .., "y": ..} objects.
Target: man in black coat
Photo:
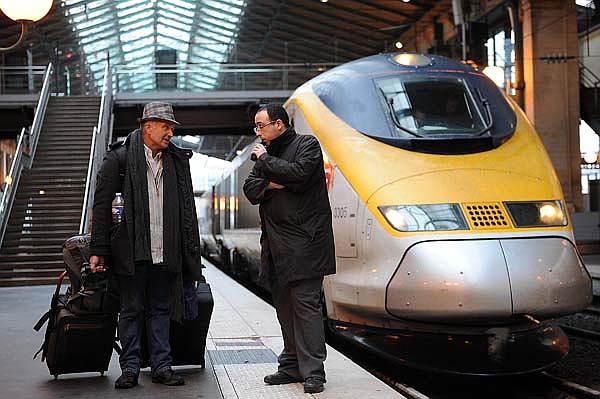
[
  {"x": 154, "y": 247},
  {"x": 288, "y": 181}
]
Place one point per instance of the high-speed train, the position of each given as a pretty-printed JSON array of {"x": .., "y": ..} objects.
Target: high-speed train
[{"x": 453, "y": 242}]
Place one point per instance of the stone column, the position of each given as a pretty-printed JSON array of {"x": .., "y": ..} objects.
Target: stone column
[{"x": 551, "y": 69}]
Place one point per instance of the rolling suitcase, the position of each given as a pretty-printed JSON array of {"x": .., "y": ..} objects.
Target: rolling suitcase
[
  {"x": 76, "y": 343},
  {"x": 188, "y": 339}
]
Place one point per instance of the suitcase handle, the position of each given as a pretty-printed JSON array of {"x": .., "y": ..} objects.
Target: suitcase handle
[{"x": 59, "y": 283}]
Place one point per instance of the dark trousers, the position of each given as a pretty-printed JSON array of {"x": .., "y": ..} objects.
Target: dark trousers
[
  {"x": 299, "y": 313},
  {"x": 145, "y": 299}
]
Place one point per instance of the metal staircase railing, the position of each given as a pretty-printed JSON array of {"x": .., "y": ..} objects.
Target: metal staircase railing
[
  {"x": 25, "y": 153},
  {"x": 101, "y": 136},
  {"x": 590, "y": 80}
]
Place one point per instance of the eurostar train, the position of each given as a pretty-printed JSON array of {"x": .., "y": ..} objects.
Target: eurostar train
[{"x": 453, "y": 243}]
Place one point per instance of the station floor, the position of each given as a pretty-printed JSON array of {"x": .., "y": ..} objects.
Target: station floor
[{"x": 243, "y": 343}]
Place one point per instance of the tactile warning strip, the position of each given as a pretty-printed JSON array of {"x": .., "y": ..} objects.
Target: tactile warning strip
[
  {"x": 248, "y": 382},
  {"x": 242, "y": 356}
]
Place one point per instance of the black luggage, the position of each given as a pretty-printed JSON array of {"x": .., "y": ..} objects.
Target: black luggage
[
  {"x": 188, "y": 339},
  {"x": 76, "y": 343},
  {"x": 99, "y": 293}
]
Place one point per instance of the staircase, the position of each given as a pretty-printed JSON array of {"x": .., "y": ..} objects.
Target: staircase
[
  {"x": 589, "y": 97},
  {"x": 590, "y": 106},
  {"x": 47, "y": 205}
]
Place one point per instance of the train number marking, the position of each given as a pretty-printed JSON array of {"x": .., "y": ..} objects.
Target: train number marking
[{"x": 340, "y": 212}]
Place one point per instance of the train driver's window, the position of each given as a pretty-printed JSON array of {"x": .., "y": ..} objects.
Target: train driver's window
[{"x": 436, "y": 107}]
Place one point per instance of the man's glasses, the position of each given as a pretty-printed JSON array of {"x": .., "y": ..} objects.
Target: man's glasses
[{"x": 261, "y": 126}]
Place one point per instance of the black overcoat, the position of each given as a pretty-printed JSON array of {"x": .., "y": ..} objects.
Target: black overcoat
[
  {"x": 297, "y": 237},
  {"x": 110, "y": 180}
]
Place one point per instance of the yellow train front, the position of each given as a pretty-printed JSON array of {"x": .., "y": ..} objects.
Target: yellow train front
[{"x": 453, "y": 242}]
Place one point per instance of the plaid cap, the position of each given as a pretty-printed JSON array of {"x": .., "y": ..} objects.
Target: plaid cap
[{"x": 158, "y": 111}]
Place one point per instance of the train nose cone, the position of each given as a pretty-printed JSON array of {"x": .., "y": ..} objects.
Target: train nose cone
[
  {"x": 451, "y": 281},
  {"x": 489, "y": 280}
]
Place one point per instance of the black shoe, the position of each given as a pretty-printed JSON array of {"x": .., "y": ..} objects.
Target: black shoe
[
  {"x": 313, "y": 385},
  {"x": 166, "y": 376},
  {"x": 280, "y": 378},
  {"x": 127, "y": 380}
]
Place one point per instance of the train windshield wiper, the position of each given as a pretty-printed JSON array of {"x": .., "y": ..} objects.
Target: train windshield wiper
[
  {"x": 390, "y": 105},
  {"x": 488, "y": 114}
]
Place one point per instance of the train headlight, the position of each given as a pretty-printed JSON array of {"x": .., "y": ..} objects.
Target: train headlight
[
  {"x": 424, "y": 217},
  {"x": 537, "y": 213}
]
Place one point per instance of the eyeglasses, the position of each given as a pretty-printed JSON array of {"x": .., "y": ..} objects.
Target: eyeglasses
[{"x": 260, "y": 127}]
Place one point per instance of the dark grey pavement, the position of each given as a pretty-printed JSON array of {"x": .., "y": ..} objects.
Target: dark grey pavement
[{"x": 23, "y": 378}]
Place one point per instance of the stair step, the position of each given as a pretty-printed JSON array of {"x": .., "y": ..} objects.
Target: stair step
[
  {"x": 42, "y": 225},
  {"x": 46, "y": 213},
  {"x": 61, "y": 149},
  {"x": 67, "y": 143},
  {"x": 13, "y": 243},
  {"x": 25, "y": 204},
  {"x": 47, "y": 264},
  {"x": 46, "y": 206},
  {"x": 67, "y": 162},
  {"x": 56, "y": 169},
  {"x": 62, "y": 234},
  {"x": 64, "y": 177},
  {"x": 70, "y": 131},
  {"x": 37, "y": 195},
  {"x": 62, "y": 141},
  {"x": 20, "y": 273},
  {"x": 52, "y": 186},
  {"x": 39, "y": 257},
  {"x": 31, "y": 249},
  {"x": 49, "y": 221},
  {"x": 37, "y": 221},
  {"x": 27, "y": 281}
]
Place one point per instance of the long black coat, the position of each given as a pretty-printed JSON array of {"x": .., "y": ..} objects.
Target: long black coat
[
  {"x": 297, "y": 238},
  {"x": 110, "y": 180}
]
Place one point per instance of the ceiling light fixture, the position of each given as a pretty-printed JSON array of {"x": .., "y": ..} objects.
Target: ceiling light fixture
[
  {"x": 24, "y": 11},
  {"x": 398, "y": 45}
]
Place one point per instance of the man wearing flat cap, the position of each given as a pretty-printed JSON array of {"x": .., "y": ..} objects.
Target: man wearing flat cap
[{"x": 155, "y": 247}]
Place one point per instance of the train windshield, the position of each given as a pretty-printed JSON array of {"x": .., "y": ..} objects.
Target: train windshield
[{"x": 431, "y": 108}]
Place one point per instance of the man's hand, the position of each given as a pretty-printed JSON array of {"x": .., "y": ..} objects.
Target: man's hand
[
  {"x": 258, "y": 150},
  {"x": 274, "y": 186},
  {"x": 97, "y": 264}
]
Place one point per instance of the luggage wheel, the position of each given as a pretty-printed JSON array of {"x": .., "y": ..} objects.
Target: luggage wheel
[
  {"x": 102, "y": 374},
  {"x": 55, "y": 377}
]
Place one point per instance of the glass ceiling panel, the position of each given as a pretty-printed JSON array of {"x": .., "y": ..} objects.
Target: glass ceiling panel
[{"x": 131, "y": 32}]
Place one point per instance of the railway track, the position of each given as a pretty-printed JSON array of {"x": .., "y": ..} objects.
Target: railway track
[{"x": 585, "y": 324}]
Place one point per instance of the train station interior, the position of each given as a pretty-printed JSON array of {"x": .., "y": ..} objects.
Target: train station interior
[{"x": 76, "y": 74}]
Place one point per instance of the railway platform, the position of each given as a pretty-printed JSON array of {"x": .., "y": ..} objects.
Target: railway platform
[{"x": 243, "y": 343}]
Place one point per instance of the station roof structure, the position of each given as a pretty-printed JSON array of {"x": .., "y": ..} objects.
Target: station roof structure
[{"x": 202, "y": 32}]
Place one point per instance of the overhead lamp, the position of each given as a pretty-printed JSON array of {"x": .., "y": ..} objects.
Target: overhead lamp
[
  {"x": 590, "y": 157},
  {"x": 324, "y": 1},
  {"x": 398, "y": 45},
  {"x": 24, "y": 11},
  {"x": 495, "y": 73}
]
